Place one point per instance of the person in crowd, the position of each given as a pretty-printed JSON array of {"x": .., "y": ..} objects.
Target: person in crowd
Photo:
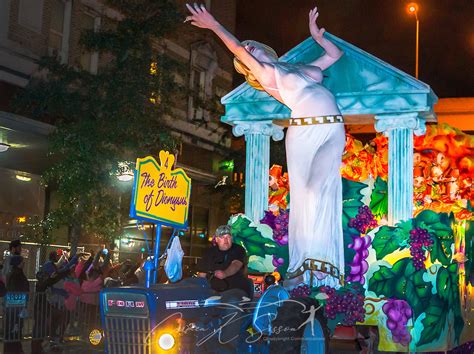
[
  {"x": 95, "y": 271},
  {"x": 46, "y": 310},
  {"x": 41, "y": 313},
  {"x": 57, "y": 268},
  {"x": 224, "y": 265},
  {"x": 16, "y": 279},
  {"x": 113, "y": 276},
  {"x": 112, "y": 281},
  {"x": 90, "y": 289},
  {"x": 14, "y": 250},
  {"x": 140, "y": 272},
  {"x": 18, "y": 286},
  {"x": 72, "y": 285},
  {"x": 128, "y": 273},
  {"x": 3, "y": 282}
]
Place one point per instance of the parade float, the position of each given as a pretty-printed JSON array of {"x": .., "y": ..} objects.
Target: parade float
[{"x": 407, "y": 205}]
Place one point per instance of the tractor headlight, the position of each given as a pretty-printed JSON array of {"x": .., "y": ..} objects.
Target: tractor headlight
[
  {"x": 95, "y": 337},
  {"x": 166, "y": 341}
]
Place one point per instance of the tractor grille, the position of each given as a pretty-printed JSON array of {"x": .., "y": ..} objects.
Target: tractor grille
[{"x": 128, "y": 335}]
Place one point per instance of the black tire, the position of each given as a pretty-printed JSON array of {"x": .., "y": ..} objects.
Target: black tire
[{"x": 291, "y": 315}]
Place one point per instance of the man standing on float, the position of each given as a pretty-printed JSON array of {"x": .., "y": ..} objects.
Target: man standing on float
[{"x": 314, "y": 145}]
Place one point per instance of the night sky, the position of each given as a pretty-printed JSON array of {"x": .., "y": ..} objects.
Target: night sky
[{"x": 380, "y": 27}]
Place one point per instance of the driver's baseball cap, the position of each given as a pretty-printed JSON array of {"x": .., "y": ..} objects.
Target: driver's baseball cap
[{"x": 223, "y": 230}]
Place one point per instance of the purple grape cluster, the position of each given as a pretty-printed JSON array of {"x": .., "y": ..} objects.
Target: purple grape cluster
[
  {"x": 359, "y": 264},
  {"x": 420, "y": 239},
  {"x": 398, "y": 313},
  {"x": 348, "y": 303},
  {"x": 277, "y": 261},
  {"x": 280, "y": 232},
  {"x": 269, "y": 219},
  {"x": 364, "y": 220},
  {"x": 300, "y": 291}
]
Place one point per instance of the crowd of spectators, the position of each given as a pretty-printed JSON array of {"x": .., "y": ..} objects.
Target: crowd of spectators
[{"x": 66, "y": 284}]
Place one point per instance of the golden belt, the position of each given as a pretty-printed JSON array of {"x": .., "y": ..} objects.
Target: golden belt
[
  {"x": 317, "y": 265},
  {"x": 310, "y": 120}
]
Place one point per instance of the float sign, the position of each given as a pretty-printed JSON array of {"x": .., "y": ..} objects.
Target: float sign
[{"x": 160, "y": 194}]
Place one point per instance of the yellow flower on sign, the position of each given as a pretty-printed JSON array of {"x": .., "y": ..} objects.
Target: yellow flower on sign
[{"x": 166, "y": 160}]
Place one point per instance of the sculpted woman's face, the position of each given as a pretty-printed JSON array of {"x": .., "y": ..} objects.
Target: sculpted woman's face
[{"x": 259, "y": 52}]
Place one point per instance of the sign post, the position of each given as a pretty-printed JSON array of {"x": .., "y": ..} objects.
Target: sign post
[{"x": 160, "y": 195}]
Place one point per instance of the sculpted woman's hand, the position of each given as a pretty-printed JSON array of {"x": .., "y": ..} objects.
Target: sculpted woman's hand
[
  {"x": 316, "y": 32},
  {"x": 200, "y": 17}
]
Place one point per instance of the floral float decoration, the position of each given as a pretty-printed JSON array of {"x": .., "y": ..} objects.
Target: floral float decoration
[{"x": 411, "y": 279}]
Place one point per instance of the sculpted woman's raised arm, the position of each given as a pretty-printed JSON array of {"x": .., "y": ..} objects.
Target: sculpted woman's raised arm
[
  {"x": 201, "y": 18},
  {"x": 332, "y": 52}
]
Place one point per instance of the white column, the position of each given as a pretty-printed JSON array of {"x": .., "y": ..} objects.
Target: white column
[
  {"x": 257, "y": 163},
  {"x": 400, "y": 128}
]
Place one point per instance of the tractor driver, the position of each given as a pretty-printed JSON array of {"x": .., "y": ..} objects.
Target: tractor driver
[{"x": 224, "y": 265}]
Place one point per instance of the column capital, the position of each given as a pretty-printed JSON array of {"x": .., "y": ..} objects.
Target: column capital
[
  {"x": 411, "y": 120},
  {"x": 262, "y": 128}
]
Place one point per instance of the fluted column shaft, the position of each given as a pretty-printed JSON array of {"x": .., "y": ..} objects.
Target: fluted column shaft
[
  {"x": 399, "y": 129},
  {"x": 257, "y": 138}
]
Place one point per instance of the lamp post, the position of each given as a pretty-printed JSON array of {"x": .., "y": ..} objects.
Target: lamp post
[{"x": 412, "y": 9}]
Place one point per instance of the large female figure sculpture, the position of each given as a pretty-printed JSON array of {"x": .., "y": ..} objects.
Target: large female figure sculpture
[{"x": 314, "y": 145}]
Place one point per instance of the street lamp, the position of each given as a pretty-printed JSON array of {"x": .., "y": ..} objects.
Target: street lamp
[
  {"x": 412, "y": 9},
  {"x": 124, "y": 173}
]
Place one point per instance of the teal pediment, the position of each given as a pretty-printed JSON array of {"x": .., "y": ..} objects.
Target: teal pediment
[{"x": 363, "y": 85}]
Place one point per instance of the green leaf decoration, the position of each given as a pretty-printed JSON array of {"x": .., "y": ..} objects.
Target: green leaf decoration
[
  {"x": 469, "y": 241},
  {"x": 240, "y": 225},
  {"x": 389, "y": 239},
  {"x": 439, "y": 305},
  {"x": 440, "y": 250},
  {"x": 435, "y": 320},
  {"x": 382, "y": 282},
  {"x": 349, "y": 253},
  {"x": 379, "y": 198},
  {"x": 454, "y": 301},
  {"x": 351, "y": 201},
  {"x": 444, "y": 284},
  {"x": 403, "y": 282},
  {"x": 438, "y": 224},
  {"x": 251, "y": 239},
  {"x": 252, "y": 249},
  {"x": 352, "y": 190},
  {"x": 333, "y": 323}
]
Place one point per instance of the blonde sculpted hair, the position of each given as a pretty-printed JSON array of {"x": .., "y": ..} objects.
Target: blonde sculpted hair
[{"x": 241, "y": 68}]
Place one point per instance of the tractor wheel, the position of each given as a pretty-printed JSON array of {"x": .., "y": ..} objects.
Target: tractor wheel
[{"x": 291, "y": 336}]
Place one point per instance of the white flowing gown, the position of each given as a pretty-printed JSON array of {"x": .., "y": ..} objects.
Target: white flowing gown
[{"x": 314, "y": 155}]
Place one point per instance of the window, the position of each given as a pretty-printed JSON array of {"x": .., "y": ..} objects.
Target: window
[
  {"x": 202, "y": 72},
  {"x": 89, "y": 60},
  {"x": 58, "y": 41},
  {"x": 30, "y": 14},
  {"x": 198, "y": 82}
]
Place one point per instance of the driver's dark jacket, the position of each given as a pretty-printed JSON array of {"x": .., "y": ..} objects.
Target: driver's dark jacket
[{"x": 215, "y": 259}]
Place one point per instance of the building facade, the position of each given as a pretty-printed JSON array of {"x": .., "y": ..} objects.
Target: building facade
[{"x": 30, "y": 29}]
